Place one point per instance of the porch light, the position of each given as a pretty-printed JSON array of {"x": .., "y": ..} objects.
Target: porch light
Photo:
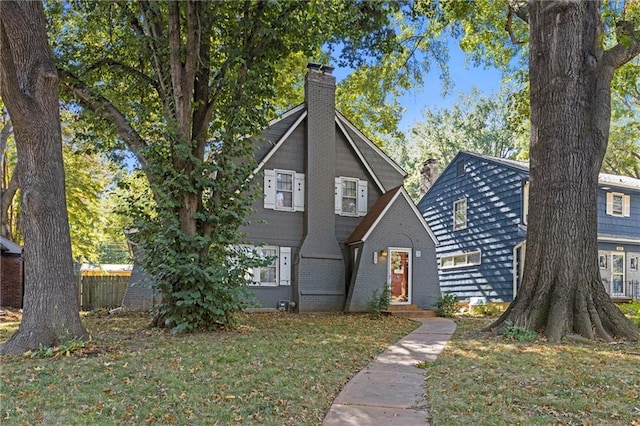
[{"x": 383, "y": 253}]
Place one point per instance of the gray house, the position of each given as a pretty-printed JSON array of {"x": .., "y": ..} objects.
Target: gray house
[{"x": 334, "y": 216}]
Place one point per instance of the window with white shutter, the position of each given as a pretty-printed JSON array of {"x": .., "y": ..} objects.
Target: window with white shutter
[
  {"x": 618, "y": 204},
  {"x": 283, "y": 190},
  {"x": 350, "y": 196},
  {"x": 277, "y": 271}
]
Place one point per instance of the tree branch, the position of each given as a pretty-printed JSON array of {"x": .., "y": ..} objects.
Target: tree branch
[
  {"x": 104, "y": 108},
  {"x": 508, "y": 27},
  {"x": 628, "y": 46},
  {"x": 129, "y": 69},
  {"x": 152, "y": 29},
  {"x": 520, "y": 8},
  {"x": 6, "y": 131}
]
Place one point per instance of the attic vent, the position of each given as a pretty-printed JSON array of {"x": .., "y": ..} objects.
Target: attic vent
[{"x": 461, "y": 168}]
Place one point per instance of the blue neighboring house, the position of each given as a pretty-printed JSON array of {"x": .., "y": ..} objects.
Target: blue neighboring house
[{"x": 477, "y": 209}]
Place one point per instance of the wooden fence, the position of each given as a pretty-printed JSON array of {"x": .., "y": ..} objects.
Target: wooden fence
[{"x": 101, "y": 291}]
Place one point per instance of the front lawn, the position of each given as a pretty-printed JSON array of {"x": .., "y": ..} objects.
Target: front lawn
[
  {"x": 485, "y": 379},
  {"x": 274, "y": 369}
]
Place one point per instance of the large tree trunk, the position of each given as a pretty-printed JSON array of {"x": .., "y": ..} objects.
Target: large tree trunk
[
  {"x": 570, "y": 111},
  {"x": 29, "y": 85}
]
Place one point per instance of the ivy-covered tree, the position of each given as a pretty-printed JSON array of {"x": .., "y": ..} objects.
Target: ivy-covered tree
[{"x": 181, "y": 85}]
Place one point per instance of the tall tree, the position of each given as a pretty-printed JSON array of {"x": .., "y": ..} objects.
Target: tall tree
[
  {"x": 182, "y": 84},
  {"x": 623, "y": 152},
  {"x": 8, "y": 179},
  {"x": 479, "y": 123},
  {"x": 569, "y": 51},
  {"x": 571, "y": 73},
  {"x": 29, "y": 87}
]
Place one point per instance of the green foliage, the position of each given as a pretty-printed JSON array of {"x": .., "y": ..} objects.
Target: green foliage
[
  {"x": 379, "y": 302},
  {"x": 66, "y": 348},
  {"x": 486, "y": 310},
  {"x": 632, "y": 311},
  {"x": 520, "y": 334},
  {"x": 447, "y": 305},
  {"x": 478, "y": 123}
]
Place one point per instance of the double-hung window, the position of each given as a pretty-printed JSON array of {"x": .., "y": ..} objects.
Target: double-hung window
[
  {"x": 350, "y": 196},
  {"x": 618, "y": 204},
  {"x": 460, "y": 214},
  {"x": 276, "y": 270},
  {"x": 283, "y": 190}
]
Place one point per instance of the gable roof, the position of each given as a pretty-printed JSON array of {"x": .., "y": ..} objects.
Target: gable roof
[
  {"x": 377, "y": 212},
  {"x": 603, "y": 178},
  {"x": 352, "y": 130},
  {"x": 280, "y": 129},
  {"x": 8, "y": 246}
]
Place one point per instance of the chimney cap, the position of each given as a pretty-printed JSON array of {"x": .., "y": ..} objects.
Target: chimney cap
[{"x": 318, "y": 67}]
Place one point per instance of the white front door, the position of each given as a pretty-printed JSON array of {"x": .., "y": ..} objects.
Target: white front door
[{"x": 399, "y": 275}]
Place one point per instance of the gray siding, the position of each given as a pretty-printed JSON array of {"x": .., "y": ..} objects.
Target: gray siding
[
  {"x": 271, "y": 135},
  {"x": 398, "y": 228},
  {"x": 386, "y": 173}
]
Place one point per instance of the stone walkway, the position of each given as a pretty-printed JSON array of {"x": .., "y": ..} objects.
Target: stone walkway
[{"x": 390, "y": 390}]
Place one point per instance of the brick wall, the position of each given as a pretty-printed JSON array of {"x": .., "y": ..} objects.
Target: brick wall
[{"x": 11, "y": 281}]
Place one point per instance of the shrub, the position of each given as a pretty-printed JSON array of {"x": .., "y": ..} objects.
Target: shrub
[
  {"x": 520, "y": 334},
  {"x": 379, "y": 303},
  {"x": 486, "y": 310},
  {"x": 447, "y": 305}
]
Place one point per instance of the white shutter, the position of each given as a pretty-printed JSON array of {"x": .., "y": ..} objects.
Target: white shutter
[
  {"x": 269, "y": 189},
  {"x": 626, "y": 206},
  {"x": 609, "y": 203},
  {"x": 338, "y": 200},
  {"x": 298, "y": 192},
  {"x": 525, "y": 203},
  {"x": 362, "y": 197},
  {"x": 285, "y": 265}
]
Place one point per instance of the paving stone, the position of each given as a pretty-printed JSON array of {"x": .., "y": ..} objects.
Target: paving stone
[{"x": 390, "y": 390}]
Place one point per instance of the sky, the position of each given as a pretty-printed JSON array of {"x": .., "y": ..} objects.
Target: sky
[{"x": 464, "y": 77}]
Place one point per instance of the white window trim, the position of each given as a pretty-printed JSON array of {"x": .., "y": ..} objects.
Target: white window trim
[
  {"x": 525, "y": 203},
  {"x": 361, "y": 196},
  {"x": 270, "y": 190},
  {"x": 255, "y": 273},
  {"x": 461, "y": 265},
  {"x": 282, "y": 264},
  {"x": 463, "y": 226},
  {"x": 626, "y": 204}
]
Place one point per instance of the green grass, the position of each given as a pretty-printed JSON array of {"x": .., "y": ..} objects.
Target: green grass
[
  {"x": 273, "y": 369},
  {"x": 486, "y": 379}
]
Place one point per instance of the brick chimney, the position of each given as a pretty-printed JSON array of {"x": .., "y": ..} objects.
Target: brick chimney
[
  {"x": 428, "y": 175},
  {"x": 321, "y": 268}
]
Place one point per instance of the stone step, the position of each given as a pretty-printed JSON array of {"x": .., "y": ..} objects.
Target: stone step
[{"x": 409, "y": 311}]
